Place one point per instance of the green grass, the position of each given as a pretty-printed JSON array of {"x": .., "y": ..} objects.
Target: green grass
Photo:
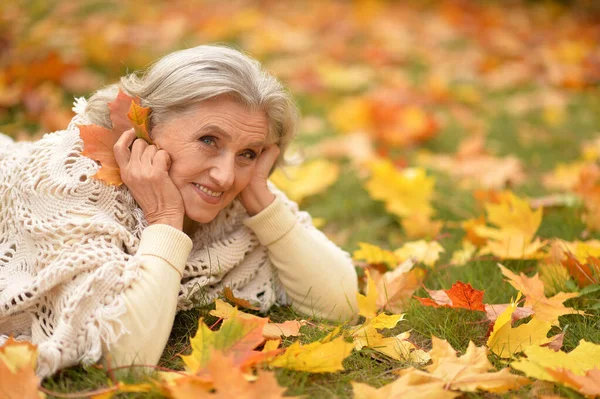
[{"x": 353, "y": 217}]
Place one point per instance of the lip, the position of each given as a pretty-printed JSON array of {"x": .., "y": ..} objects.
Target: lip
[{"x": 208, "y": 198}]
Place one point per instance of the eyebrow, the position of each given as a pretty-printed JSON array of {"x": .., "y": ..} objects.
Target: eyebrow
[{"x": 218, "y": 130}]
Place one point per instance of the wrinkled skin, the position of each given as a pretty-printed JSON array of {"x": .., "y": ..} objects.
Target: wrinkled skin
[{"x": 201, "y": 160}]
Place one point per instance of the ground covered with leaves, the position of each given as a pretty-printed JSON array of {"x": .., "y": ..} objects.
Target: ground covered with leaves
[{"x": 451, "y": 146}]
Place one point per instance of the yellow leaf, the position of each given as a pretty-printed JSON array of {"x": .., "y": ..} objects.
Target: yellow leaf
[
  {"x": 425, "y": 252},
  {"x": 469, "y": 372},
  {"x": 505, "y": 340},
  {"x": 351, "y": 114},
  {"x": 237, "y": 336},
  {"x": 583, "y": 358},
  {"x": 270, "y": 330},
  {"x": 517, "y": 223},
  {"x": 405, "y": 192},
  {"x": 310, "y": 178},
  {"x": 316, "y": 357},
  {"x": 545, "y": 309},
  {"x": 421, "y": 226},
  {"x": 367, "y": 304},
  {"x": 373, "y": 255},
  {"x": 461, "y": 256},
  {"x": 403, "y": 388}
]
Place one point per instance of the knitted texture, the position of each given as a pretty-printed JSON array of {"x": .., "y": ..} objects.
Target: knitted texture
[{"x": 68, "y": 246}]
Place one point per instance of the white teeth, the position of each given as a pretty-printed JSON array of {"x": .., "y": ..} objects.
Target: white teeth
[{"x": 207, "y": 191}]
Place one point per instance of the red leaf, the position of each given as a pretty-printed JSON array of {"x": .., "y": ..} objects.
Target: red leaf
[{"x": 461, "y": 295}]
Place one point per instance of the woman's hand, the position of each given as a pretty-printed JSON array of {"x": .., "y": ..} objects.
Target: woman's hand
[
  {"x": 257, "y": 196},
  {"x": 145, "y": 172}
]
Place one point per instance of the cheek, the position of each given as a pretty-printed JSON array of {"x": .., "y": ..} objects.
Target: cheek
[{"x": 242, "y": 178}]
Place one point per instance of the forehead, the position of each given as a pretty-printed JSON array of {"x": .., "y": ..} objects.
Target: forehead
[{"x": 225, "y": 114}]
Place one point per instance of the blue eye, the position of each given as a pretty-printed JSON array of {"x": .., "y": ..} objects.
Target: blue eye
[{"x": 208, "y": 140}]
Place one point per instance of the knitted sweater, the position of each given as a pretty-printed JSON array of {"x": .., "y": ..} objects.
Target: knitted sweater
[{"x": 82, "y": 275}]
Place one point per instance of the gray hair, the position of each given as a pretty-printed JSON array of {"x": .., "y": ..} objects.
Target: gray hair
[{"x": 186, "y": 77}]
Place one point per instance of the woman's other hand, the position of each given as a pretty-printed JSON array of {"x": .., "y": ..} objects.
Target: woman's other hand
[
  {"x": 257, "y": 196},
  {"x": 145, "y": 172}
]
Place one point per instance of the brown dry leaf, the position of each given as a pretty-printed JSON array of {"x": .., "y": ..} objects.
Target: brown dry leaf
[{"x": 17, "y": 371}]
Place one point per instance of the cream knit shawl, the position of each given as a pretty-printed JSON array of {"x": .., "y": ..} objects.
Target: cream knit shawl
[{"x": 68, "y": 248}]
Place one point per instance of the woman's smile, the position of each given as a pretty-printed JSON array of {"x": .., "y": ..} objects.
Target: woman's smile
[
  {"x": 208, "y": 195},
  {"x": 213, "y": 148}
]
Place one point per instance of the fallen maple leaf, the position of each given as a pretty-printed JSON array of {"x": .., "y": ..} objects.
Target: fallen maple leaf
[
  {"x": 585, "y": 357},
  {"x": 584, "y": 273},
  {"x": 505, "y": 340},
  {"x": 310, "y": 178},
  {"x": 325, "y": 356},
  {"x": 425, "y": 252},
  {"x": 98, "y": 141},
  {"x": 405, "y": 192},
  {"x": 228, "y": 294},
  {"x": 466, "y": 373},
  {"x": 374, "y": 255},
  {"x": 588, "y": 384},
  {"x": 17, "y": 371},
  {"x": 238, "y": 336},
  {"x": 461, "y": 295},
  {"x": 405, "y": 387},
  {"x": 396, "y": 287},
  {"x": 517, "y": 223},
  {"x": 545, "y": 309},
  {"x": 227, "y": 382}
]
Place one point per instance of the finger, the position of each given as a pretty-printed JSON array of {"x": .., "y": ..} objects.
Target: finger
[
  {"x": 138, "y": 148},
  {"x": 162, "y": 160},
  {"x": 267, "y": 159},
  {"x": 121, "y": 148},
  {"x": 148, "y": 155}
]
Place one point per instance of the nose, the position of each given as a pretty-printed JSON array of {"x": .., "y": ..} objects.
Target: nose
[{"x": 222, "y": 171}]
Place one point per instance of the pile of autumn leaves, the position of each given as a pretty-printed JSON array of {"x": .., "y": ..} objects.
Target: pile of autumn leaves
[{"x": 224, "y": 363}]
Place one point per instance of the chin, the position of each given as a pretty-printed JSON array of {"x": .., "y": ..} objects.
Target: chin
[{"x": 202, "y": 217}]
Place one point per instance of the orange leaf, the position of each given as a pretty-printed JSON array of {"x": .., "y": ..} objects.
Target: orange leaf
[
  {"x": 98, "y": 141},
  {"x": 139, "y": 118},
  {"x": 17, "y": 370},
  {"x": 588, "y": 384},
  {"x": 584, "y": 273},
  {"x": 119, "y": 109},
  {"x": 228, "y": 294},
  {"x": 461, "y": 295}
]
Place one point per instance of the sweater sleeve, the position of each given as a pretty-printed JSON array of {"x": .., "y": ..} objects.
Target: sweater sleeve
[
  {"x": 151, "y": 302},
  {"x": 319, "y": 278}
]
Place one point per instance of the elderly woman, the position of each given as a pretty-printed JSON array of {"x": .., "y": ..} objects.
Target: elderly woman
[{"x": 89, "y": 269}]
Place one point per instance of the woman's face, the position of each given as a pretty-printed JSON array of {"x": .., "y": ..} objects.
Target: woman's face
[{"x": 213, "y": 147}]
